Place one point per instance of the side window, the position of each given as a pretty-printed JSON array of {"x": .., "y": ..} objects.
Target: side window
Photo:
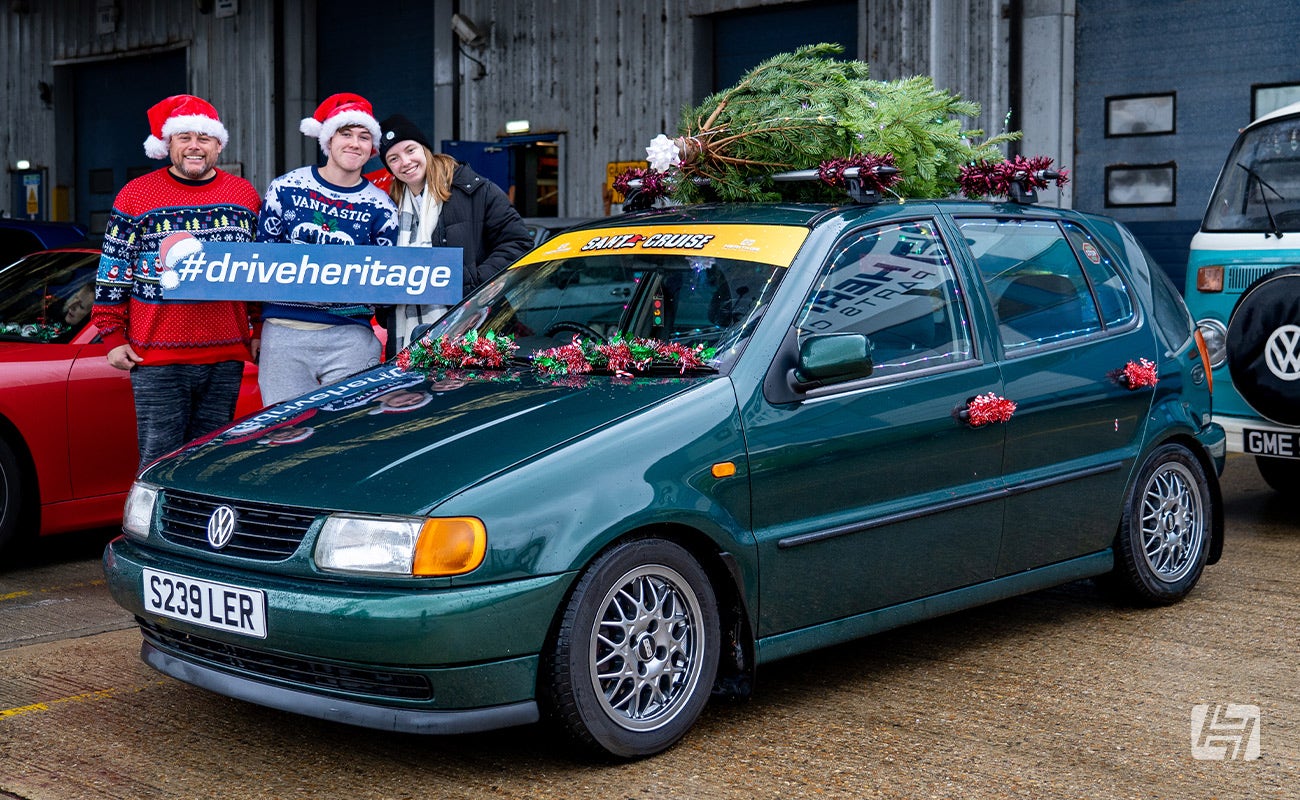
[
  {"x": 1035, "y": 283},
  {"x": 1113, "y": 296},
  {"x": 895, "y": 284}
]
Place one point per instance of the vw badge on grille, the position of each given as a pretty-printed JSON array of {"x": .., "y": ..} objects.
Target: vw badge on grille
[{"x": 221, "y": 527}]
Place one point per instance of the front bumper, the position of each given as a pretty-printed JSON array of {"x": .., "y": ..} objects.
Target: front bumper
[
  {"x": 337, "y": 709},
  {"x": 444, "y": 660}
]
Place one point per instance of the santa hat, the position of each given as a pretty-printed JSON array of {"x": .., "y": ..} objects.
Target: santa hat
[
  {"x": 181, "y": 113},
  {"x": 177, "y": 247},
  {"x": 340, "y": 111},
  {"x": 171, "y": 251}
]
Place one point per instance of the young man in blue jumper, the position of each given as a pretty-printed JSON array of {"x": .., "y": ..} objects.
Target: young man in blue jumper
[{"x": 307, "y": 345}]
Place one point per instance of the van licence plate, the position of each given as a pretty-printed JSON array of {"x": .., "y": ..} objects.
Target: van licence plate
[
  {"x": 212, "y": 605},
  {"x": 1278, "y": 444}
]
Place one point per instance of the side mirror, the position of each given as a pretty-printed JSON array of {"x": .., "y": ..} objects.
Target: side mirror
[
  {"x": 832, "y": 358},
  {"x": 420, "y": 331}
]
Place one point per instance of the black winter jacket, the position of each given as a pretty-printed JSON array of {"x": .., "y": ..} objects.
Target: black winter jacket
[{"x": 478, "y": 217}]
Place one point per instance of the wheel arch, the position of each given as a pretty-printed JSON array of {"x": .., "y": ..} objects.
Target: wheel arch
[
  {"x": 30, "y": 508},
  {"x": 736, "y": 662},
  {"x": 1189, "y": 443}
]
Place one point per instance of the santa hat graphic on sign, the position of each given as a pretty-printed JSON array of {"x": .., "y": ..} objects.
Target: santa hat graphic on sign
[
  {"x": 339, "y": 111},
  {"x": 173, "y": 250},
  {"x": 181, "y": 113}
]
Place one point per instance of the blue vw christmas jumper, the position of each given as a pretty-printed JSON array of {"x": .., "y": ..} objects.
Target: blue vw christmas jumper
[{"x": 301, "y": 207}]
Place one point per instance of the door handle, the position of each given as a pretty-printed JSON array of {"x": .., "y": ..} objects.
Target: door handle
[{"x": 984, "y": 409}]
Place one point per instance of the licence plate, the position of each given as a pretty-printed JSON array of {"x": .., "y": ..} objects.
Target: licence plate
[
  {"x": 1279, "y": 444},
  {"x": 212, "y": 605}
]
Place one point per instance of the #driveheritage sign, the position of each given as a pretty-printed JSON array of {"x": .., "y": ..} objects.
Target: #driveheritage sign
[{"x": 188, "y": 269}]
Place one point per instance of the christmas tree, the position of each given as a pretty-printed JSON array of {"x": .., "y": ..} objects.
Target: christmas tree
[{"x": 803, "y": 109}]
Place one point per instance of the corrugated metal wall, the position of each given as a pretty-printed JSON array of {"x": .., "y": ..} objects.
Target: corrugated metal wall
[
  {"x": 614, "y": 74},
  {"x": 610, "y": 73},
  {"x": 230, "y": 63}
]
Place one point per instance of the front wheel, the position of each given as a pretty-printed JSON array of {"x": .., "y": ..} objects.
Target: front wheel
[
  {"x": 1164, "y": 534},
  {"x": 1281, "y": 474},
  {"x": 11, "y": 496},
  {"x": 636, "y": 652}
]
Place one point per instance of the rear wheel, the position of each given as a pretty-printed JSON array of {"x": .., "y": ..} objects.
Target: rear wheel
[
  {"x": 1164, "y": 535},
  {"x": 11, "y": 497},
  {"x": 636, "y": 652},
  {"x": 1282, "y": 474}
]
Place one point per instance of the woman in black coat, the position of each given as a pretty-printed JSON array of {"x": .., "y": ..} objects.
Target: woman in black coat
[{"x": 442, "y": 203}]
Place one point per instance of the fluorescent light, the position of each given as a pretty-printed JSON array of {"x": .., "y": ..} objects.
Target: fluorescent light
[{"x": 517, "y": 126}]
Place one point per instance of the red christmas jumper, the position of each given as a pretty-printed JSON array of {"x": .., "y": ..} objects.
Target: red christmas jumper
[{"x": 129, "y": 303}]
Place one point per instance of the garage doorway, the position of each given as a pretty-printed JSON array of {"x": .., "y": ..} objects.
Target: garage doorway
[{"x": 110, "y": 101}]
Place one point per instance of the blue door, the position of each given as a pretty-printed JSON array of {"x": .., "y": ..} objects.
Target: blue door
[{"x": 110, "y": 112}]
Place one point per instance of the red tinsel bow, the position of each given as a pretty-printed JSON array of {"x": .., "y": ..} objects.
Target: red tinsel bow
[
  {"x": 1142, "y": 373},
  {"x": 652, "y": 184},
  {"x": 988, "y": 408},
  {"x": 985, "y": 179}
]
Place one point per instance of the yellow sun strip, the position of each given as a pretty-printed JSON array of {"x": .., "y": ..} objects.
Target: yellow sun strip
[{"x": 766, "y": 244}]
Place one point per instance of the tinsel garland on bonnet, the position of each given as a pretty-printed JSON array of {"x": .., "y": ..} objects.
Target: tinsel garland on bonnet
[{"x": 808, "y": 110}]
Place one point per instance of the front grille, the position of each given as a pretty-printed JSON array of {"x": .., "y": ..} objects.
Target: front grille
[
  {"x": 1241, "y": 277},
  {"x": 303, "y": 672},
  {"x": 262, "y": 531}
]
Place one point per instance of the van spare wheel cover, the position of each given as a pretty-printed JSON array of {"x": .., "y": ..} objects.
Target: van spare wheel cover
[{"x": 1264, "y": 346}]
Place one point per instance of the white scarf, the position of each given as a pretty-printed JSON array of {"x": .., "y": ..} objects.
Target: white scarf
[
  {"x": 417, "y": 217},
  {"x": 425, "y": 218}
]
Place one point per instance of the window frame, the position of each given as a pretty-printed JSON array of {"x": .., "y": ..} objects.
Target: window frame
[
  {"x": 1035, "y": 347},
  {"x": 962, "y": 301}
]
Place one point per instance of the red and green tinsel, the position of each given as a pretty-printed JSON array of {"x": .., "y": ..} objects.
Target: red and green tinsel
[
  {"x": 621, "y": 355},
  {"x": 487, "y": 350}
]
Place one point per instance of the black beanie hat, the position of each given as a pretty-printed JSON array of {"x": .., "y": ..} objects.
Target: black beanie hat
[{"x": 398, "y": 128}]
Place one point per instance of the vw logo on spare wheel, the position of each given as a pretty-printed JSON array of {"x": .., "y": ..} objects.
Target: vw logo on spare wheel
[
  {"x": 221, "y": 527},
  {"x": 1282, "y": 353}
]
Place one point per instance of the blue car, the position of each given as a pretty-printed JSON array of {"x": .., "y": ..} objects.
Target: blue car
[{"x": 18, "y": 237}]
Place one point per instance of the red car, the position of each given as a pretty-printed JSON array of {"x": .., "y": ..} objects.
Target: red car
[{"x": 67, "y": 419}]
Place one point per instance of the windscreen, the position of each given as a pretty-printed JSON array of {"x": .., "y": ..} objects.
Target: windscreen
[
  {"x": 693, "y": 285},
  {"x": 1259, "y": 188},
  {"x": 47, "y": 296}
]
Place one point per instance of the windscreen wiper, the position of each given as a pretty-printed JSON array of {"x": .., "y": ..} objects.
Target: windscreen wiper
[{"x": 1264, "y": 197}]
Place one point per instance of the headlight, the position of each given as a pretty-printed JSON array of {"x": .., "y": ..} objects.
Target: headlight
[
  {"x": 416, "y": 546},
  {"x": 137, "y": 515},
  {"x": 1216, "y": 340}
]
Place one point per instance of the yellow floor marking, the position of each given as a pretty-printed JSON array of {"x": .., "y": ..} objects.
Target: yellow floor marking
[
  {"x": 100, "y": 694},
  {"x": 28, "y": 592}
]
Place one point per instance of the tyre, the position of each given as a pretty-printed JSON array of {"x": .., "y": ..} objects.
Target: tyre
[
  {"x": 1264, "y": 346},
  {"x": 636, "y": 651},
  {"x": 1281, "y": 474},
  {"x": 1164, "y": 535},
  {"x": 11, "y": 497}
]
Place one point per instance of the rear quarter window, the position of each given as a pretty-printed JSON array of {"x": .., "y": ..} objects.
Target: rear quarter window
[{"x": 1173, "y": 321}]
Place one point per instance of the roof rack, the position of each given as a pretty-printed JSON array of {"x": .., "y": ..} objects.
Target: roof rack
[
  {"x": 855, "y": 183},
  {"x": 1020, "y": 189}
]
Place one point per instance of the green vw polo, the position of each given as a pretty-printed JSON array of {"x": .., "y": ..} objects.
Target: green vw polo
[{"x": 666, "y": 448}]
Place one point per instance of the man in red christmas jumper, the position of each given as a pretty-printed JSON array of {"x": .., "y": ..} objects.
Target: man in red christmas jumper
[{"x": 186, "y": 358}]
